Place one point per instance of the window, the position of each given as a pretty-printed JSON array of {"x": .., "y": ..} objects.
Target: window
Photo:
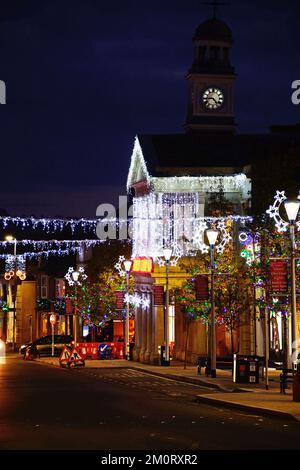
[
  {"x": 44, "y": 287},
  {"x": 59, "y": 288}
]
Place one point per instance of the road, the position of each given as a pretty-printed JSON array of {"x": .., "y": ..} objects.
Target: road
[{"x": 43, "y": 407}]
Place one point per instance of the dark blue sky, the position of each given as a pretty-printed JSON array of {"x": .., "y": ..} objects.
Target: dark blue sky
[{"x": 84, "y": 76}]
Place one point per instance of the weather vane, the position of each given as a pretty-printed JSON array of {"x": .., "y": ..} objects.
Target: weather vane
[{"x": 215, "y": 5}]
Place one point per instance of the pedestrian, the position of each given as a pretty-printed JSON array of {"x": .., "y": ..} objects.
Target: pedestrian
[
  {"x": 207, "y": 367},
  {"x": 200, "y": 363},
  {"x": 282, "y": 382}
]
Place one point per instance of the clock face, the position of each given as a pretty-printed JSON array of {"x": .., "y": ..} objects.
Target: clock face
[{"x": 213, "y": 98}]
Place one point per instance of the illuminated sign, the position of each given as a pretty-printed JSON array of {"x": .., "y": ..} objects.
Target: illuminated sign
[{"x": 142, "y": 264}]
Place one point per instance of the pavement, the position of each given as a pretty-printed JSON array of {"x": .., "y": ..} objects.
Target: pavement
[{"x": 249, "y": 397}]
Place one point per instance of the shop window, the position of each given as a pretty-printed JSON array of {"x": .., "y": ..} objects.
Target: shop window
[{"x": 44, "y": 287}]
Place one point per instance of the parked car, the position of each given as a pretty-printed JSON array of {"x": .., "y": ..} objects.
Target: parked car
[{"x": 44, "y": 345}]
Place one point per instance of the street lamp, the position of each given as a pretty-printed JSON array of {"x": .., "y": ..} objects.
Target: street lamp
[
  {"x": 75, "y": 278},
  {"x": 10, "y": 238},
  {"x": 127, "y": 266},
  {"x": 167, "y": 255},
  {"x": 292, "y": 209},
  {"x": 212, "y": 236}
]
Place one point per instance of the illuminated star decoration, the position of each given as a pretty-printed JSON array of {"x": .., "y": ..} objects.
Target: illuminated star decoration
[
  {"x": 119, "y": 266},
  {"x": 177, "y": 253},
  {"x": 273, "y": 212},
  {"x": 137, "y": 301},
  {"x": 82, "y": 276},
  {"x": 199, "y": 237}
]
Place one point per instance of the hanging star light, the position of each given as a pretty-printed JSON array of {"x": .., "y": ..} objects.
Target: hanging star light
[
  {"x": 82, "y": 276},
  {"x": 225, "y": 237},
  {"x": 136, "y": 301},
  {"x": 273, "y": 212},
  {"x": 177, "y": 253},
  {"x": 119, "y": 266}
]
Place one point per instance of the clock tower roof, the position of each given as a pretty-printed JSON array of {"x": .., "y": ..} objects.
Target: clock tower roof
[{"x": 213, "y": 29}]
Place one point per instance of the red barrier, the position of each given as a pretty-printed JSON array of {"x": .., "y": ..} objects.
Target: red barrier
[{"x": 90, "y": 350}]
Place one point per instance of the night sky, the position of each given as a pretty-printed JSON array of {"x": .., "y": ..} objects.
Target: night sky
[{"x": 83, "y": 77}]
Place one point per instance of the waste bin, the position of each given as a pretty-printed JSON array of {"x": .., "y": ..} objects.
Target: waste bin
[
  {"x": 246, "y": 369},
  {"x": 131, "y": 348},
  {"x": 296, "y": 382},
  {"x": 162, "y": 356}
]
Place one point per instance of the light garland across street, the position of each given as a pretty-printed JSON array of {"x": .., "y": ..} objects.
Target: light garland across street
[{"x": 56, "y": 225}]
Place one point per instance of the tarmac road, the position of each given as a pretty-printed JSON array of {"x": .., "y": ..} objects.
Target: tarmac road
[{"x": 43, "y": 407}]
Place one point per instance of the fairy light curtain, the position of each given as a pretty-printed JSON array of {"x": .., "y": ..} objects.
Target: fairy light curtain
[{"x": 164, "y": 219}]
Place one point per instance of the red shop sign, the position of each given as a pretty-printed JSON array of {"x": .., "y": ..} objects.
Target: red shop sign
[
  {"x": 69, "y": 307},
  {"x": 142, "y": 264},
  {"x": 159, "y": 297},
  {"x": 278, "y": 275},
  {"x": 201, "y": 286},
  {"x": 120, "y": 295}
]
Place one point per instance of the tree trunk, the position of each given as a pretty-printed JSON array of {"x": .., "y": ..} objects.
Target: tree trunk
[
  {"x": 232, "y": 342},
  {"x": 186, "y": 343}
]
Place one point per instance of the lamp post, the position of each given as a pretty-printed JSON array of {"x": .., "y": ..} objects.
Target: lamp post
[
  {"x": 75, "y": 277},
  {"x": 212, "y": 236},
  {"x": 10, "y": 238},
  {"x": 292, "y": 209},
  {"x": 167, "y": 255},
  {"x": 127, "y": 266},
  {"x": 52, "y": 321}
]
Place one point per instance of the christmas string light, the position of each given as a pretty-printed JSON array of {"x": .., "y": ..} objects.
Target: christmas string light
[
  {"x": 138, "y": 171},
  {"x": 46, "y": 253},
  {"x": 56, "y": 225},
  {"x": 173, "y": 219},
  {"x": 44, "y": 244}
]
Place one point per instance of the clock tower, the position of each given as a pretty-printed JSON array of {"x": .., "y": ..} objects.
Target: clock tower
[{"x": 211, "y": 81}]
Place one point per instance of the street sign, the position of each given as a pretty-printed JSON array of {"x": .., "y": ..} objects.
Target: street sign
[
  {"x": 64, "y": 357},
  {"x": 75, "y": 357},
  {"x": 278, "y": 275}
]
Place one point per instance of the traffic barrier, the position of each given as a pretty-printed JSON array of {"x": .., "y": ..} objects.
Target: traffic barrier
[
  {"x": 88, "y": 350},
  {"x": 91, "y": 350}
]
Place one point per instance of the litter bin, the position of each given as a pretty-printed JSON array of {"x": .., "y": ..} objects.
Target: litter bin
[
  {"x": 296, "y": 382},
  {"x": 131, "y": 348},
  {"x": 246, "y": 369},
  {"x": 162, "y": 356}
]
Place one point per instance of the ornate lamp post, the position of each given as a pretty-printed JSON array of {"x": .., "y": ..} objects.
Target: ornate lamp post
[
  {"x": 15, "y": 274},
  {"x": 212, "y": 236},
  {"x": 292, "y": 209},
  {"x": 167, "y": 256},
  {"x": 127, "y": 266},
  {"x": 75, "y": 278}
]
